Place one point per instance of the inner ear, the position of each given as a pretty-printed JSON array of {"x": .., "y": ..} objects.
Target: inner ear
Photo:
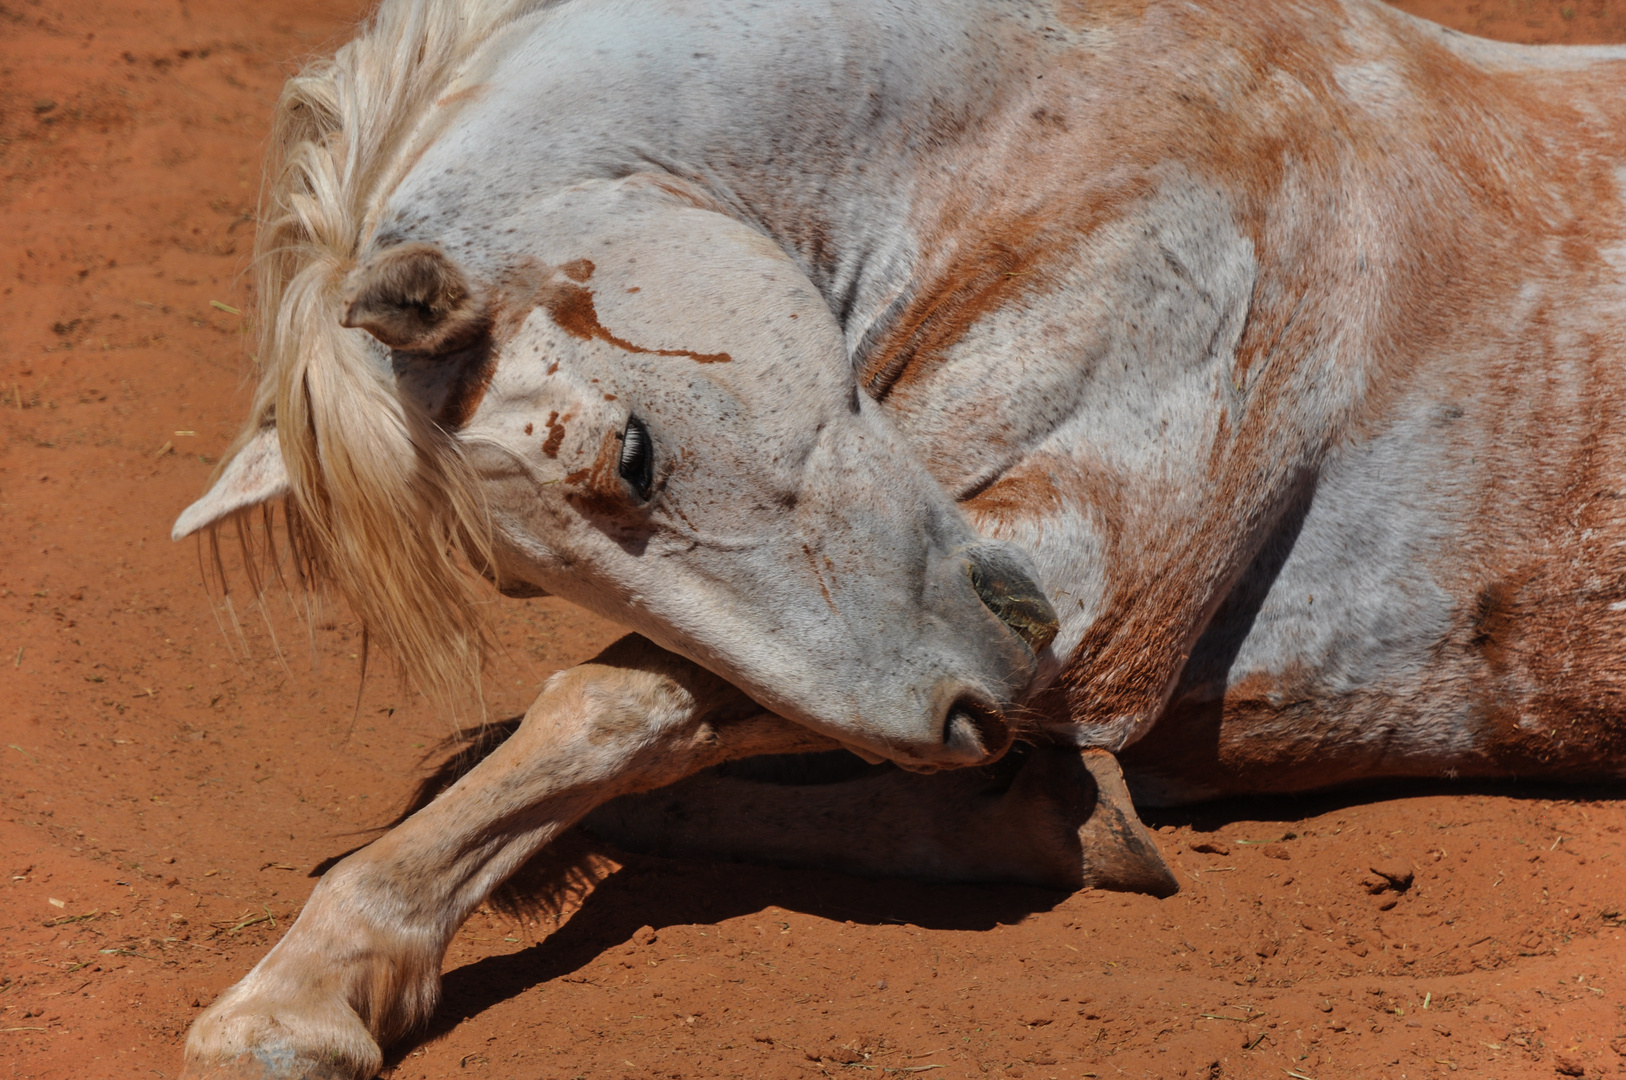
[
  {"x": 412, "y": 297},
  {"x": 254, "y": 475}
]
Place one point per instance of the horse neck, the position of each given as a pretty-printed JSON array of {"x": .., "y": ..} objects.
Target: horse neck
[
  {"x": 915, "y": 155},
  {"x": 811, "y": 122}
]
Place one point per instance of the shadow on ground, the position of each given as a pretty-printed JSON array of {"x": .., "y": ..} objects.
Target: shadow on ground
[
  {"x": 671, "y": 892},
  {"x": 660, "y": 892},
  {"x": 1222, "y": 813}
]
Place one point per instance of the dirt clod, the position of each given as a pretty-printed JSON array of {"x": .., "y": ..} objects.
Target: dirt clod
[{"x": 1397, "y": 874}]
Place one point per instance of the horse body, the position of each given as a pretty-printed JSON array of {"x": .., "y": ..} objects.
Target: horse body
[
  {"x": 1192, "y": 304},
  {"x": 1230, "y": 388}
]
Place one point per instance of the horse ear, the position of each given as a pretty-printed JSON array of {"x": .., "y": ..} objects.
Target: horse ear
[
  {"x": 254, "y": 475},
  {"x": 412, "y": 297}
]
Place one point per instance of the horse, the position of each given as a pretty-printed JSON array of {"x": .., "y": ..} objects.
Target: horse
[{"x": 1201, "y": 398}]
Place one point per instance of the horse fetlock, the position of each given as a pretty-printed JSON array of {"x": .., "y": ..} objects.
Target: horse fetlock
[
  {"x": 306, "y": 1014},
  {"x": 342, "y": 983},
  {"x": 248, "y": 1034}
]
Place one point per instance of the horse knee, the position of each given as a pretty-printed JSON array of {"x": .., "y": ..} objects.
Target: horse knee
[{"x": 630, "y": 696}]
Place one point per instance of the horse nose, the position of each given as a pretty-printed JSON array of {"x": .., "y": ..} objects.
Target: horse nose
[
  {"x": 1007, "y": 589},
  {"x": 975, "y": 731}
]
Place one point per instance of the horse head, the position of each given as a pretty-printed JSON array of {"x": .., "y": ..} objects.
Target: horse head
[{"x": 662, "y": 424}]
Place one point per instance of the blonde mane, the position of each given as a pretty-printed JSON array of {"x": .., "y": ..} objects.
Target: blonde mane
[{"x": 382, "y": 507}]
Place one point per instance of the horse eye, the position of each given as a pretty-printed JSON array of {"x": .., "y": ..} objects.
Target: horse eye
[{"x": 637, "y": 457}]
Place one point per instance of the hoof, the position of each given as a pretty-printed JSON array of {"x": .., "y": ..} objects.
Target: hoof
[
  {"x": 268, "y": 1064},
  {"x": 246, "y": 1037},
  {"x": 1119, "y": 853}
]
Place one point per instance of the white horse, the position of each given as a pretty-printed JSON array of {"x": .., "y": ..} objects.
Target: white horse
[{"x": 1228, "y": 388}]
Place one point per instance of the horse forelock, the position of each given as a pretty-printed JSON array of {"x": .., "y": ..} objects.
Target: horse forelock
[{"x": 382, "y": 507}]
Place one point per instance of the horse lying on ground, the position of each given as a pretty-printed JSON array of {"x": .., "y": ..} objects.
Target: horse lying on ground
[{"x": 1227, "y": 390}]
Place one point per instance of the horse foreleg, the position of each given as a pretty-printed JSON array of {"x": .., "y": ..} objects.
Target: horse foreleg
[
  {"x": 361, "y": 965},
  {"x": 1049, "y": 816}
]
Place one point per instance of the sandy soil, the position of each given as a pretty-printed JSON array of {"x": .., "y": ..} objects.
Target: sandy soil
[{"x": 168, "y": 789}]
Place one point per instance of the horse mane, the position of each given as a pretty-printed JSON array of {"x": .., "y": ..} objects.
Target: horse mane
[{"x": 383, "y": 507}]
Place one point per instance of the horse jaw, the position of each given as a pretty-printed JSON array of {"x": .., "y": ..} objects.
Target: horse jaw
[{"x": 254, "y": 475}]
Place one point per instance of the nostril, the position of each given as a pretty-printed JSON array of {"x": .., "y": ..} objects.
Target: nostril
[{"x": 975, "y": 731}]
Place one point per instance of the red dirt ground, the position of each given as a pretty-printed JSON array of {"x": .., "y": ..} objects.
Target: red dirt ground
[{"x": 167, "y": 787}]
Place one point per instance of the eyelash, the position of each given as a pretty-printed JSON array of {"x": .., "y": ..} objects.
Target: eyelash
[{"x": 637, "y": 466}]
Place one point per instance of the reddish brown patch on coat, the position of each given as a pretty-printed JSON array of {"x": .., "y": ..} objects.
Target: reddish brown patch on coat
[
  {"x": 556, "y": 433},
  {"x": 1007, "y": 260},
  {"x": 477, "y": 366},
  {"x": 818, "y": 575},
  {"x": 680, "y": 191},
  {"x": 1503, "y": 156},
  {"x": 572, "y": 308},
  {"x": 599, "y": 489},
  {"x": 578, "y": 270}
]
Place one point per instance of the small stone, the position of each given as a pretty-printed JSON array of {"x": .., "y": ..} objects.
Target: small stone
[
  {"x": 1397, "y": 872},
  {"x": 1568, "y": 1066},
  {"x": 1326, "y": 1005},
  {"x": 1210, "y": 847},
  {"x": 644, "y": 935},
  {"x": 1275, "y": 851},
  {"x": 1388, "y": 905},
  {"x": 44, "y": 105}
]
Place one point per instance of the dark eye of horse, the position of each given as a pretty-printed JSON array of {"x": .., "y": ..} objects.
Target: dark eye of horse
[{"x": 637, "y": 457}]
